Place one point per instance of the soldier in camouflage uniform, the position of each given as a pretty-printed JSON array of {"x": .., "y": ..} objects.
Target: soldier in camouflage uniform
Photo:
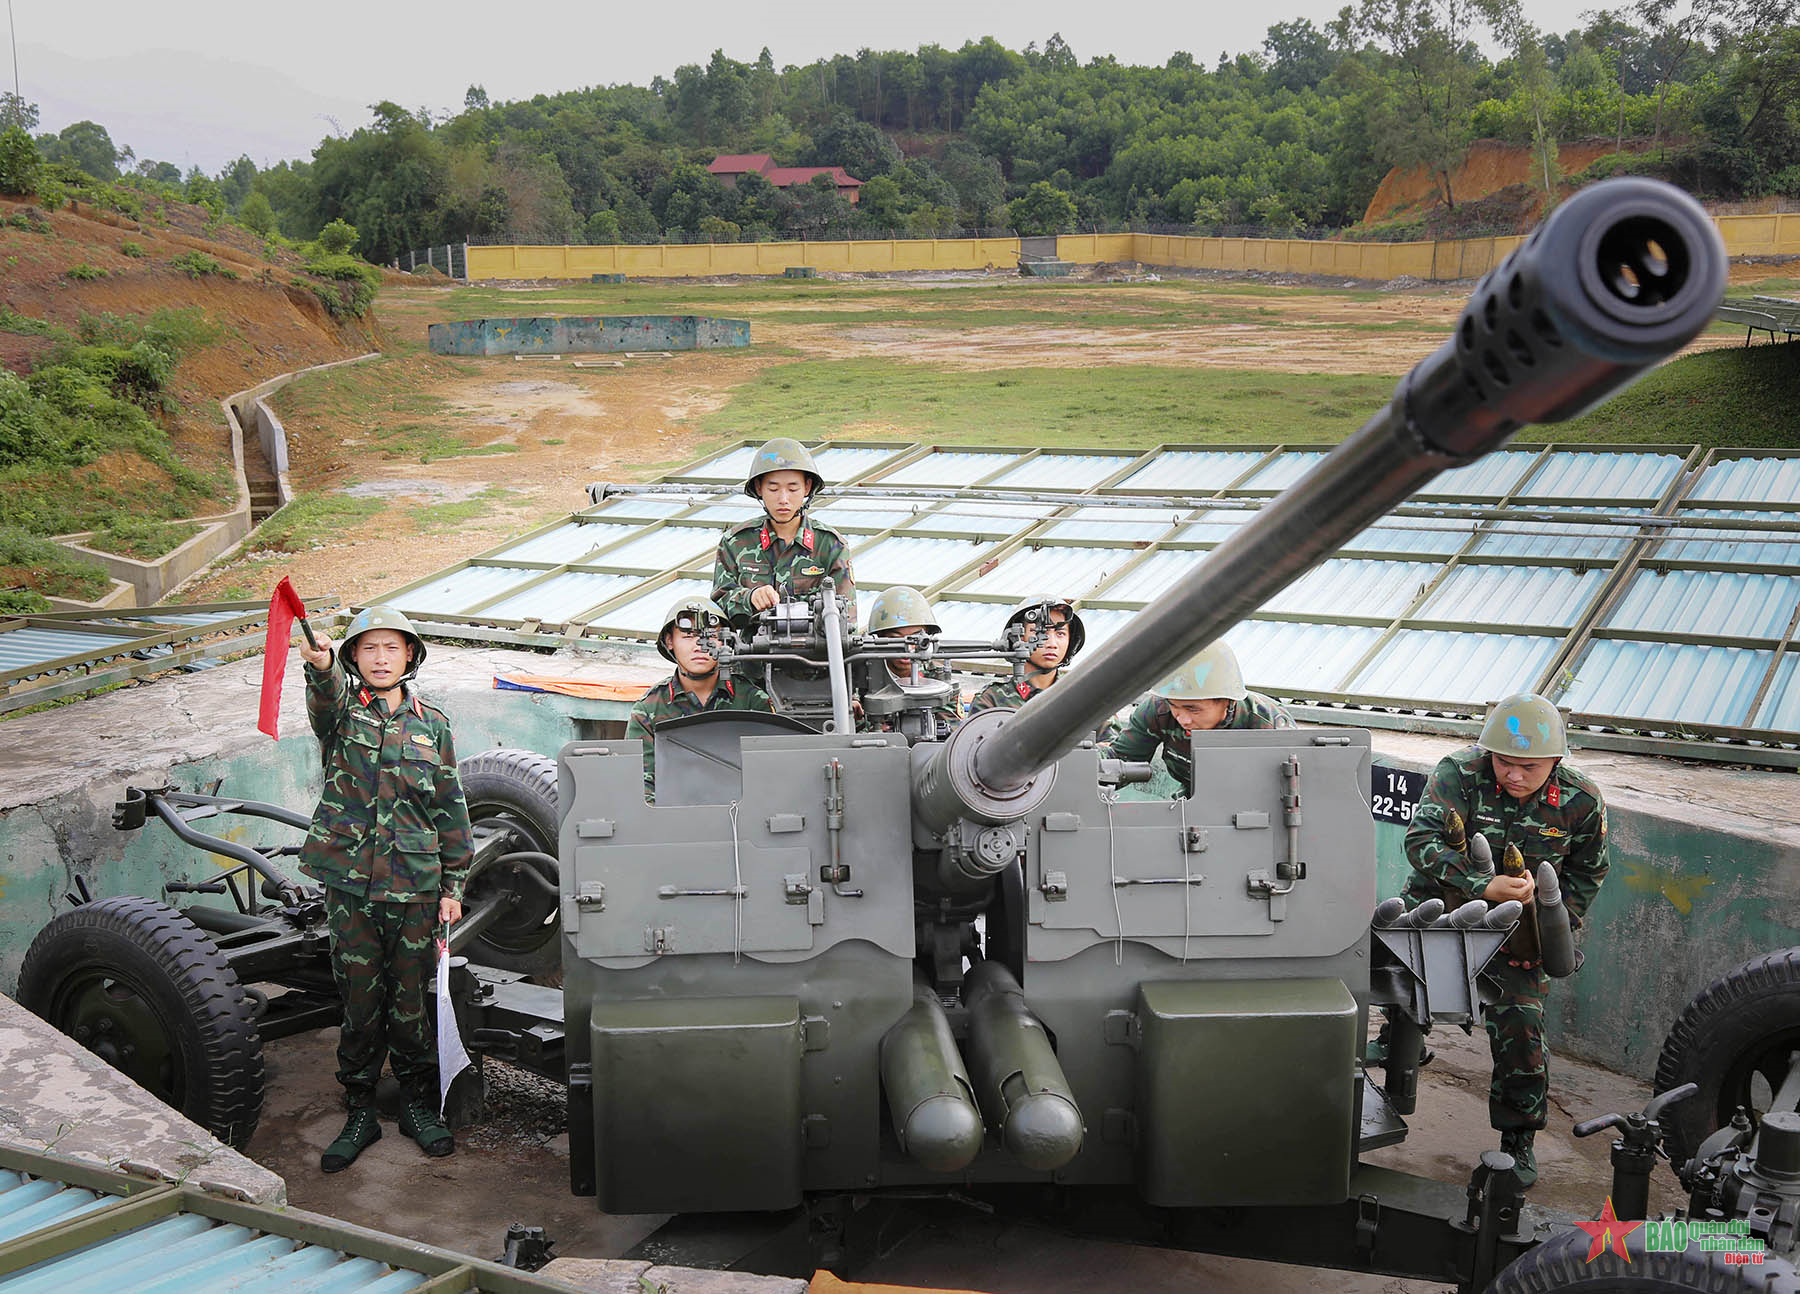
[
  {"x": 1205, "y": 694},
  {"x": 390, "y": 842},
  {"x": 901, "y": 612},
  {"x": 696, "y": 686},
  {"x": 1514, "y": 788},
  {"x": 1052, "y": 628},
  {"x": 786, "y": 554}
]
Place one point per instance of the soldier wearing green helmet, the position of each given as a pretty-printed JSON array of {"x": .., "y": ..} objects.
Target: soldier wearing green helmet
[
  {"x": 1514, "y": 788},
  {"x": 390, "y": 842},
  {"x": 786, "y": 554},
  {"x": 696, "y": 686},
  {"x": 1204, "y": 694},
  {"x": 901, "y": 612},
  {"x": 1052, "y": 629}
]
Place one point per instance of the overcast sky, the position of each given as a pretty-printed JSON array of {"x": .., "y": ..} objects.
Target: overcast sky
[{"x": 201, "y": 81}]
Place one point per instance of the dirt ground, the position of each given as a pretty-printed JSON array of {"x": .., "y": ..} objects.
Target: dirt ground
[{"x": 514, "y": 1168}]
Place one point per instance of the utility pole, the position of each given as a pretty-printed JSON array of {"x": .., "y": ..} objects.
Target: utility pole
[{"x": 13, "y": 28}]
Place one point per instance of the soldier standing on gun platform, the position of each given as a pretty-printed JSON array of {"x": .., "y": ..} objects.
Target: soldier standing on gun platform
[
  {"x": 390, "y": 841},
  {"x": 1513, "y": 787},
  {"x": 786, "y": 554},
  {"x": 1205, "y": 694}
]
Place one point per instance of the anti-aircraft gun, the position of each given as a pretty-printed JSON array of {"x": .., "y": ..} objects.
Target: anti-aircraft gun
[{"x": 850, "y": 966}]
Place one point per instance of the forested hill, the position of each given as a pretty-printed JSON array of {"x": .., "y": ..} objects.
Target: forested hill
[{"x": 1296, "y": 134}]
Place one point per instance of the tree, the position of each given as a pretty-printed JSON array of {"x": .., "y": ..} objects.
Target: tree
[
  {"x": 84, "y": 144},
  {"x": 1299, "y": 54},
  {"x": 602, "y": 229},
  {"x": 1427, "y": 124},
  {"x": 18, "y": 161},
  {"x": 856, "y": 146},
  {"x": 159, "y": 172},
  {"x": 235, "y": 181},
  {"x": 1531, "y": 69},
  {"x": 337, "y": 238},
  {"x": 1043, "y": 209},
  {"x": 1674, "y": 39},
  {"x": 257, "y": 215},
  {"x": 15, "y": 111},
  {"x": 475, "y": 99}
]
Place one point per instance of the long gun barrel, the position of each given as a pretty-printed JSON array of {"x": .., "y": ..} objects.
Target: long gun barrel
[{"x": 1618, "y": 279}]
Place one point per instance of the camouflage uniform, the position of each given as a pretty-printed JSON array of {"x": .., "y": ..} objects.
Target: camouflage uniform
[
  {"x": 1564, "y": 823},
  {"x": 753, "y": 554},
  {"x": 389, "y": 838},
  {"x": 1152, "y": 724},
  {"x": 670, "y": 700},
  {"x": 1008, "y": 694}
]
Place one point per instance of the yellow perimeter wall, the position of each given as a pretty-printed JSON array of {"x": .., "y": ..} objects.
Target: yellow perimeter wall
[{"x": 1767, "y": 235}]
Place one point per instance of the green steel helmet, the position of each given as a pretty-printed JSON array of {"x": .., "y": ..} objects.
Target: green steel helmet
[
  {"x": 382, "y": 618},
  {"x": 900, "y": 607},
  {"x": 1043, "y": 606},
  {"x": 688, "y": 613},
  {"x": 783, "y": 454},
  {"x": 1524, "y": 726},
  {"x": 1211, "y": 674}
]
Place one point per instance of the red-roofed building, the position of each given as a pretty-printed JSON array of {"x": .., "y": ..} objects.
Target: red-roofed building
[{"x": 729, "y": 166}]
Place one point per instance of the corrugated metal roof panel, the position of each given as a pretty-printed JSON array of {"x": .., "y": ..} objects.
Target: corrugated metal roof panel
[
  {"x": 23, "y": 648},
  {"x": 966, "y": 521},
  {"x": 1491, "y": 477},
  {"x": 569, "y": 542},
  {"x": 841, "y": 463},
  {"x": 1750, "y": 480},
  {"x": 1284, "y": 470},
  {"x": 1152, "y": 576},
  {"x": 1780, "y": 709},
  {"x": 1187, "y": 470},
  {"x": 732, "y": 465},
  {"x": 1528, "y": 537},
  {"x": 1467, "y": 668},
  {"x": 1548, "y": 596},
  {"x": 1586, "y": 474},
  {"x": 915, "y": 559},
  {"x": 1353, "y": 586},
  {"x": 192, "y": 619},
  {"x": 1214, "y": 526},
  {"x": 644, "y": 613},
  {"x": 562, "y": 597},
  {"x": 458, "y": 590},
  {"x": 728, "y": 513},
  {"x": 1670, "y": 682},
  {"x": 1298, "y": 659},
  {"x": 1063, "y": 472},
  {"x": 661, "y": 549},
  {"x": 1115, "y": 522},
  {"x": 29, "y": 1203},
  {"x": 1068, "y": 572},
  {"x": 644, "y": 506},
  {"x": 1720, "y": 546},
  {"x": 948, "y": 467},
  {"x": 1439, "y": 535},
  {"x": 970, "y": 621},
  {"x": 1717, "y": 603},
  {"x": 871, "y": 514},
  {"x": 1102, "y": 623}
]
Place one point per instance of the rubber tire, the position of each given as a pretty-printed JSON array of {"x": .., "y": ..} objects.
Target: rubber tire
[
  {"x": 216, "y": 1061},
  {"x": 520, "y": 785},
  {"x": 1560, "y": 1263},
  {"x": 1746, "y": 1011}
]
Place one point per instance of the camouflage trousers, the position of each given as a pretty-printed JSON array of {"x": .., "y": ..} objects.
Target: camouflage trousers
[
  {"x": 1515, "y": 1027},
  {"x": 382, "y": 960}
]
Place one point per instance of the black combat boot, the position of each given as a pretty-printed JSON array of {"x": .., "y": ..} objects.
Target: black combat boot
[
  {"x": 420, "y": 1122},
  {"x": 361, "y": 1130}
]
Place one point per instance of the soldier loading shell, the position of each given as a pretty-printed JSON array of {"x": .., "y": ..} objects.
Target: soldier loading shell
[
  {"x": 787, "y": 554},
  {"x": 1514, "y": 789},
  {"x": 697, "y": 685}
]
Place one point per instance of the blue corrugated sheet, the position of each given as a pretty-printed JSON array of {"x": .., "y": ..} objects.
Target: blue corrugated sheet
[
  {"x": 969, "y": 621},
  {"x": 1550, "y": 596},
  {"x": 650, "y": 506},
  {"x": 915, "y": 559},
  {"x": 1440, "y": 535},
  {"x": 1298, "y": 659},
  {"x": 1102, "y": 623},
  {"x": 842, "y": 463},
  {"x": 562, "y": 597},
  {"x": 1063, "y": 572},
  {"x": 1715, "y": 603},
  {"x": 948, "y": 468},
  {"x": 1530, "y": 537},
  {"x": 732, "y": 465},
  {"x": 1214, "y": 526},
  {"x": 23, "y": 648},
  {"x": 1725, "y": 547},
  {"x": 1666, "y": 681},
  {"x": 644, "y": 613},
  {"x": 1584, "y": 474},
  {"x": 1186, "y": 471},
  {"x": 1780, "y": 709},
  {"x": 1118, "y": 522},
  {"x": 660, "y": 549},
  {"x": 1283, "y": 470},
  {"x": 456, "y": 592},
  {"x": 1151, "y": 577},
  {"x": 1467, "y": 668},
  {"x": 29, "y": 1203},
  {"x": 1750, "y": 480},
  {"x": 1492, "y": 477},
  {"x": 981, "y": 518},
  {"x": 1351, "y": 586},
  {"x": 191, "y": 619},
  {"x": 870, "y": 514},
  {"x": 1060, "y": 473},
  {"x": 727, "y": 514},
  {"x": 569, "y": 542}
]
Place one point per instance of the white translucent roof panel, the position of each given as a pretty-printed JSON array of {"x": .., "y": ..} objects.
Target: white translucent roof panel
[
  {"x": 561, "y": 597},
  {"x": 1190, "y": 470},
  {"x": 1351, "y": 586},
  {"x": 660, "y": 549},
  {"x": 569, "y": 542},
  {"x": 1750, "y": 480},
  {"x": 1588, "y": 474},
  {"x": 970, "y": 621},
  {"x": 1724, "y": 604},
  {"x": 1667, "y": 681},
  {"x": 871, "y": 514},
  {"x": 1299, "y": 659},
  {"x": 1547, "y": 596},
  {"x": 644, "y": 614},
  {"x": 1492, "y": 477},
  {"x": 1155, "y": 575},
  {"x": 1532, "y": 537},
  {"x": 977, "y": 519},
  {"x": 645, "y": 505},
  {"x": 1115, "y": 523},
  {"x": 949, "y": 468},
  {"x": 841, "y": 463},
  {"x": 732, "y": 465},
  {"x": 456, "y": 591},
  {"x": 1283, "y": 470},
  {"x": 1780, "y": 709},
  {"x": 1467, "y": 669},
  {"x": 1214, "y": 526},
  {"x": 1066, "y": 572},
  {"x": 914, "y": 559},
  {"x": 728, "y": 513},
  {"x": 1439, "y": 536},
  {"x": 1727, "y": 546},
  {"x": 1063, "y": 473},
  {"x": 1102, "y": 623}
]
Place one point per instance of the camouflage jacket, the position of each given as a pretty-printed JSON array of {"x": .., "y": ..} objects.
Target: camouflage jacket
[
  {"x": 1010, "y": 695},
  {"x": 669, "y": 700},
  {"x": 948, "y": 713},
  {"x": 752, "y": 554},
  {"x": 1564, "y": 823},
  {"x": 1152, "y": 724},
  {"x": 391, "y": 824}
]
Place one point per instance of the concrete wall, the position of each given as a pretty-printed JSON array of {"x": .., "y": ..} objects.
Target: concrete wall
[
  {"x": 586, "y": 334},
  {"x": 674, "y": 260}
]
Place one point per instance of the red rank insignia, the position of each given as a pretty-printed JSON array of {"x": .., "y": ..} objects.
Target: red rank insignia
[{"x": 1553, "y": 796}]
